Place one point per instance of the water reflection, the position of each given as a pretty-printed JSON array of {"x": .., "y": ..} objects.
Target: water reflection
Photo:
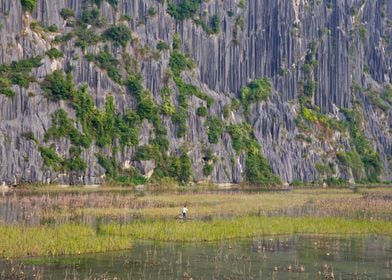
[{"x": 286, "y": 257}]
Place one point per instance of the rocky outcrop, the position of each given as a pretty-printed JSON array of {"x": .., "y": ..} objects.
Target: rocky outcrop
[{"x": 352, "y": 62}]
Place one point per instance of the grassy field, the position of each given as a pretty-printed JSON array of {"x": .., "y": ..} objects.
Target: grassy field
[{"x": 49, "y": 226}]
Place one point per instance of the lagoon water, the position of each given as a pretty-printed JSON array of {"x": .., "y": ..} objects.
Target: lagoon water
[{"x": 283, "y": 257}]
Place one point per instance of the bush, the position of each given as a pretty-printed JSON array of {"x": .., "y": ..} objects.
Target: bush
[
  {"x": 106, "y": 61},
  {"x": 67, "y": 13},
  {"x": 185, "y": 172},
  {"x": 183, "y": 10},
  {"x": 119, "y": 34},
  {"x": 256, "y": 91},
  {"x": 207, "y": 169},
  {"x": 85, "y": 38},
  {"x": 176, "y": 41},
  {"x": 108, "y": 164},
  {"x": 92, "y": 17},
  {"x": 179, "y": 62},
  {"x": 161, "y": 46},
  {"x": 5, "y": 89},
  {"x": 135, "y": 85},
  {"x": 201, "y": 111},
  {"x": 152, "y": 11},
  {"x": 57, "y": 86},
  {"x": 28, "y": 5},
  {"x": 20, "y": 79},
  {"x": 144, "y": 153},
  {"x": 310, "y": 88},
  {"x": 17, "y": 73},
  {"x": 214, "y": 129},
  {"x": 113, "y": 3},
  {"x": 239, "y": 136},
  {"x": 29, "y": 135},
  {"x": 215, "y": 24},
  {"x": 167, "y": 107},
  {"x": 180, "y": 117},
  {"x": 75, "y": 163},
  {"x": 63, "y": 126},
  {"x": 54, "y": 53},
  {"x": 334, "y": 182},
  {"x": 258, "y": 170},
  {"x": 146, "y": 108},
  {"x": 370, "y": 159},
  {"x": 51, "y": 159},
  {"x": 52, "y": 28},
  {"x": 352, "y": 160}
]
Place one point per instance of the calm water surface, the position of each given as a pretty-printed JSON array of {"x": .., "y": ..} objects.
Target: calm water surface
[{"x": 284, "y": 257}]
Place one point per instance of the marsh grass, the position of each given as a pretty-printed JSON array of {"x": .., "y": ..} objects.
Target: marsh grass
[
  {"x": 19, "y": 241},
  {"x": 194, "y": 231},
  {"x": 95, "y": 221}
]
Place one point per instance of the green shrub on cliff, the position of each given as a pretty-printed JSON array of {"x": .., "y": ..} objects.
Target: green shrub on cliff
[
  {"x": 119, "y": 34},
  {"x": 28, "y": 5},
  {"x": 184, "y": 9}
]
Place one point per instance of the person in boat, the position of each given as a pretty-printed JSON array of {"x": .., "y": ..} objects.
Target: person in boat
[{"x": 184, "y": 210}]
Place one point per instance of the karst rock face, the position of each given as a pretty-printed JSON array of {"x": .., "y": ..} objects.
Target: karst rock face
[{"x": 324, "y": 60}]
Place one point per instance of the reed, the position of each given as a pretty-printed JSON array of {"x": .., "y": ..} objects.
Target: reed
[
  {"x": 193, "y": 231},
  {"x": 20, "y": 241}
]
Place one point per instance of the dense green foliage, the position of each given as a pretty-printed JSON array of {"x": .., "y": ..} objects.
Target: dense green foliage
[
  {"x": 5, "y": 87},
  {"x": 256, "y": 91},
  {"x": 145, "y": 152},
  {"x": 239, "y": 136},
  {"x": 67, "y": 13},
  {"x": 51, "y": 159},
  {"x": 202, "y": 111},
  {"x": 113, "y": 3},
  {"x": 63, "y": 126},
  {"x": 370, "y": 158},
  {"x": 257, "y": 168},
  {"x": 213, "y": 27},
  {"x": 92, "y": 17},
  {"x": 28, "y": 5},
  {"x": 179, "y": 62},
  {"x": 162, "y": 45},
  {"x": 215, "y": 128},
  {"x": 85, "y": 38},
  {"x": 152, "y": 11},
  {"x": 176, "y": 41},
  {"x": 184, "y": 9},
  {"x": 57, "y": 86},
  {"x": 184, "y": 172},
  {"x": 75, "y": 163},
  {"x": 215, "y": 24},
  {"x": 146, "y": 108},
  {"x": 207, "y": 169},
  {"x": 107, "y": 61},
  {"x": 352, "y": 160},
  {"x": 119, "y": 34},
  {"x": 167, "y": 107},
  {"x": 17, "y": 73},
  {"x": 54, "y": 53}
]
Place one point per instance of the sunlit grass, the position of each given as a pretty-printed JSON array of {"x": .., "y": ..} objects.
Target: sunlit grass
[
  {"x": 213, "y": 204},
  {"x": 20, "y": 241},
  {"x": 214, "y": 215},
  {"x": 192, "y": 231}
]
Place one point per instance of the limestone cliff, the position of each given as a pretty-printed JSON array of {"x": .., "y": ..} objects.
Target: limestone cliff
[{"x": 303, "y": 83}]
